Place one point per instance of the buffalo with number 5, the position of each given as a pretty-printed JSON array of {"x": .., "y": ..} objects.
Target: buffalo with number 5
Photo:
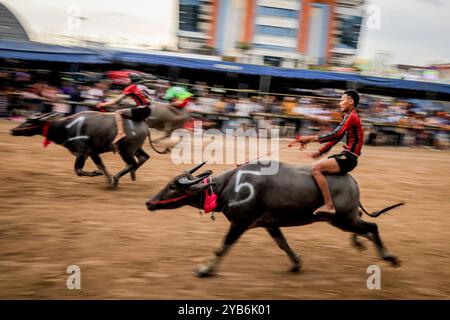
[{"x": 285, "y": 198}]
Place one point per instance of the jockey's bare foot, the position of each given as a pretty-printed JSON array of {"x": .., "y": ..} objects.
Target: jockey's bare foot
[
  {"x": 119, "y": 137},
  {"x": 325, "y": 209}
]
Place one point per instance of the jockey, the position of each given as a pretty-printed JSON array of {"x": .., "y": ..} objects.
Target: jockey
[
  {"x": 178, "y": 96},
  {"x": 141, "y": 96},
  {"x": 342, "y": 162}
]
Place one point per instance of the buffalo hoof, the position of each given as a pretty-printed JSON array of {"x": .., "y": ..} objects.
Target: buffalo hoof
[
  {"x": 202, "y": 271},
  {"x": 115, "y": 182},
  {"x": 395, "y": 262},
  {"x": 109, "y": 180},
  {"x": 297, "y": 266},
  {"x": 295, "y": 269},
  {"x": 133, "y": 175}
]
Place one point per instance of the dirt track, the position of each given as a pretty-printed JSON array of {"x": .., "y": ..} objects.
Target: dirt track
[{"x": 50, "y": 219}]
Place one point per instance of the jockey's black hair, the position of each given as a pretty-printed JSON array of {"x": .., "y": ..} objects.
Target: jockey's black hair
[
  {"x": 354, "y": 94},
  {"x": 135, "y": 77}
]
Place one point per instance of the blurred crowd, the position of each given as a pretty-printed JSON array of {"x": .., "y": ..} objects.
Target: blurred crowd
[{"x": 386, "y": 120}]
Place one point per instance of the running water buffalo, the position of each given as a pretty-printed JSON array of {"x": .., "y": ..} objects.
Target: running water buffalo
[
  {"x": 250, "y": 199},
  {"x": 166, "y": 118},
  {"x": 90, "y": 133}
]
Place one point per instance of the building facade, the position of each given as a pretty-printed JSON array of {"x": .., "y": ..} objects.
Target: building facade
[
  {"x": 195, "y": 26},
  {"x": 287, "y": 33}
]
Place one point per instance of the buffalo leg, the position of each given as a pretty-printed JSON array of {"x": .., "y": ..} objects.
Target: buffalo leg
[
  {"x": 99, "y": 163},
  {"x": 79, "y": 165},
  {"x": 281, "y": 241},
  {"x": 356, "y": 242},
  {"x": 131, "y": 165},
  {"x": 142, "y": 158},
  {"x": 368, "y": 230},
  {"x": 354, "y": 237},
  {"x": 235, "y": 231}
]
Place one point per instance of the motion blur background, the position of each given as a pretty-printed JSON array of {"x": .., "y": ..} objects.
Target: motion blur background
[{"x": 275, "y": 64}]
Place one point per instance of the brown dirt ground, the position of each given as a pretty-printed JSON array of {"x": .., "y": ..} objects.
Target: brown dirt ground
[{"x": 50, "y": 219}]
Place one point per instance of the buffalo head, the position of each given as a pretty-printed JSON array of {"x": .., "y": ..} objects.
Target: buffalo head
[
  {"x": 181, "y": 190},
  {"x": 33, "y": 125}
]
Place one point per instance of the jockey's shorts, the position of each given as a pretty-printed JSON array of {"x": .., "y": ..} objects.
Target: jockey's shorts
[
  {"x": 347, "y": 161},
  {"x": 140, "y": 113}
]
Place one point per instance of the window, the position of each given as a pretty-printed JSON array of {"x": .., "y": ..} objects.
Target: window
[
  {"x": 270, "y": 47},
  {"x": 190, "y": 2},
  {"x": 277, "y": 12},
  {"x": 276, "y": 31},
  {"x": 272, "y": 61},
  {"x": 349, "y": 28},
  {"x": 188, "y": 17}
]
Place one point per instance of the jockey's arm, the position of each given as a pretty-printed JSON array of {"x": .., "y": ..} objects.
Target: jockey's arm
[
  {"x": 335, "y": 135},
  {"x": 317, "y": 154},
  {"x": 111, "y": 102}
]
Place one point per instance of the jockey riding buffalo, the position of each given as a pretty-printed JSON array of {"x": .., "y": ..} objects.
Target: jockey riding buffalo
[
  {"x": 89, "y": 134},
  {"x": 250, "y": 199}
]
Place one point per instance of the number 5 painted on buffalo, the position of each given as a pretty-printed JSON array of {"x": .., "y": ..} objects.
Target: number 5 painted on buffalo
[{"x": 238, "y": 186}]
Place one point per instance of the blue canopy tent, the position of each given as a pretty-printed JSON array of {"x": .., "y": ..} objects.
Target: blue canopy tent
[
  {"x": 34, "y": 51},
  {"x": 223, "y": 66},
  {"x": 28, "y": 50},
  {"x": 363, "y": 83}
]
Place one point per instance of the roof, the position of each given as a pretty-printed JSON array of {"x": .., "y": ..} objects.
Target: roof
[
  {"x": 45, "y": 52},
  {"x": 28, "y": 50},
  {"x": 223, "y": 66}
]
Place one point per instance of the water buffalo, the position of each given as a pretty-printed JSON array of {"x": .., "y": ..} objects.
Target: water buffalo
[
  {"x": 250, "y": 199},
  {"x": 166, "y": 118},
  {"x": 89, "y": 134}
]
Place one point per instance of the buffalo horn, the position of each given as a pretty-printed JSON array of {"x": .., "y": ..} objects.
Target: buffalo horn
[{"x": 192, "y": 170}]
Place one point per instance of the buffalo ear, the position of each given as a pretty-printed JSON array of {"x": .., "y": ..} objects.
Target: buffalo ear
[
  {"x": 197, "y": 188},
  {"x": 200, "y": 186},
  {"x": 187, "y": 182},
  {"x": 205, "y": 174}
]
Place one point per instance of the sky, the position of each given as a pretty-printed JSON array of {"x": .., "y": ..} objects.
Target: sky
[
  {"x": 415, "y": 32},
  {"x": 139, "y": 21}
]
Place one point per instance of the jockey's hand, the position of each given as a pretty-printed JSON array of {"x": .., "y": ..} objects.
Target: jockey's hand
[{"x": 99, "y": 105}]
